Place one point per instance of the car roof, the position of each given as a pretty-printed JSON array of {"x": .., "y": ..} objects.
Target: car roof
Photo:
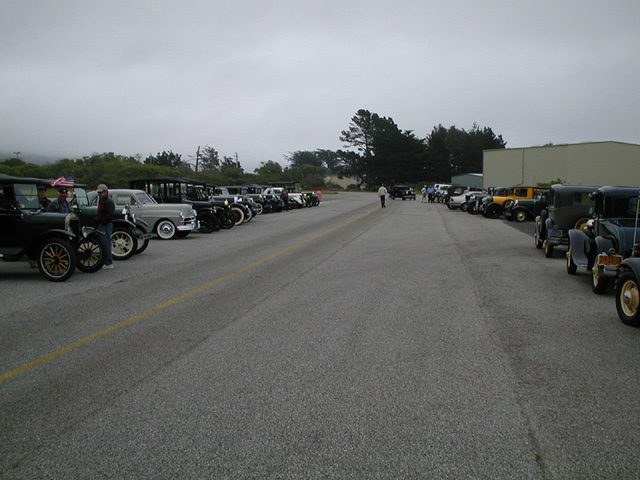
[{"x": 37, "y": 181}]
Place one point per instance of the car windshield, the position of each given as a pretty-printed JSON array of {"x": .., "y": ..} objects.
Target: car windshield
[
  {"x": 144, "y": 198},
  {"x": 27, "y": 196}
]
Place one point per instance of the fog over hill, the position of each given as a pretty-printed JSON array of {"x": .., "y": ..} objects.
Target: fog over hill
[{"x": 30, "y": 157}]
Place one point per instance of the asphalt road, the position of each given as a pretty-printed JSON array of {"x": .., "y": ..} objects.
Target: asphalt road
[{"x": 342, "y": 341}]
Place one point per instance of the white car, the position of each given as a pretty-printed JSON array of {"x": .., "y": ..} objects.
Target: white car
[{"x": 167, "y": 220}]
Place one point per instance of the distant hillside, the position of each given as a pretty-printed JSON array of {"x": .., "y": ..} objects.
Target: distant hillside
[{"x": 30, "y": 157}]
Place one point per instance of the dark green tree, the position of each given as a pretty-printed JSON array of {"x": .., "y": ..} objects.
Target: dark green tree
[{"x": 165, "y": 159}]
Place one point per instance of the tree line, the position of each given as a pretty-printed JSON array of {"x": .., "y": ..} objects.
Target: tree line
[{"x": 375, "y": 150}]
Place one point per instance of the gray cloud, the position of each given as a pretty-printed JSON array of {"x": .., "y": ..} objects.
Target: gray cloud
[{"x": 266, "y": 78}]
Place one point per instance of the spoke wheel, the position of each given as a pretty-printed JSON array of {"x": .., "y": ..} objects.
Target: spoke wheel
[
  {"x": 207, "y": 222},
  {"x": 91, "y": 253},
  {"x": 628, "y": 299},
  {"x": 123, "y": 244},
  {"x": 57, "y": 260}
]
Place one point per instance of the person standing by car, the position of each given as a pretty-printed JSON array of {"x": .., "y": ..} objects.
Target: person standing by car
[
  {"x": 42, "y": 197},
  {"x": 60, "y": 204},
  {"x": 104, "y": 220},
  {"x": 285, "y": 198},
  {"x": 431, "y": 191},
  {"x": 382, "y": 193},
  {"x": 424, "y": 194}
]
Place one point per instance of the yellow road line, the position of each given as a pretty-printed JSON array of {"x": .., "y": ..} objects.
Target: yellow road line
[{"x": 69, "y": 348}]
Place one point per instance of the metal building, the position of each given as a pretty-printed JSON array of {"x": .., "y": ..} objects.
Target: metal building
[{"x": 591, "y": 163}]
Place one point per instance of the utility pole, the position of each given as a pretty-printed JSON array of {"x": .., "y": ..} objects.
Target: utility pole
[{"x": 197, "y": 158}]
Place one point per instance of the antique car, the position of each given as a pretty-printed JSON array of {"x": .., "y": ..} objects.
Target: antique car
[
  {"x": 459, "y": 198},
  {"x": 627, "y": 294},
  {"x": 526, "y": 209},
  {"x": 254, "y": 201},
  {"x": 494, "y": 208},
  {"x": 474, "y": 201},
  {"x": 56, "y": 242},
  {"x": 405, "y": 192},
  {"x": 166, "y": 220},
  {"x": 611, "y": 236},
  {"x": 295, "y": 198},
  {"x": 210, "y": 217},
  {"x": 569, "y": 207}
]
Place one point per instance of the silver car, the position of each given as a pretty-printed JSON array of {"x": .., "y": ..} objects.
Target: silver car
[{"x": 167, "y": 220}]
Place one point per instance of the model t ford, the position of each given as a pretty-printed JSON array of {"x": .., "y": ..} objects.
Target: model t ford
[
  {"x": 56, "y": 242},
  {"x": 611, "y": 236}
]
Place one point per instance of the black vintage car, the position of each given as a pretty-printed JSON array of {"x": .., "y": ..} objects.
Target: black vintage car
[
  {"x": 405, "y": 192},
  {"x": 611, "y": 236},
  {"x": 527, "y": 209},
  {"x": 210, "y": 217},
  {"x": 56, "y": 242},
  {"x": 569, "y": 208}
]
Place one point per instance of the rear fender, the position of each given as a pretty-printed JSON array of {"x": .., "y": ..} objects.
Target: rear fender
[{"x": 630, "y": 264}]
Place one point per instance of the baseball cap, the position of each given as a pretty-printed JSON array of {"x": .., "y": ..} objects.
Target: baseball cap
[{"x": 102, "y": 188}]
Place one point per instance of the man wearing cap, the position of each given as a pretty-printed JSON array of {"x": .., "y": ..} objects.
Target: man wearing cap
[
  {"x": 42, "y": 197},
  {"x": 104, "y": 220},
  {"x": 60, "y": 204}
]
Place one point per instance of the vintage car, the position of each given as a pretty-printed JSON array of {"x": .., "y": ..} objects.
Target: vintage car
[
  {"x": 474, "y": 202},
  {"x": 611, "y": 236},
  {"x": 166, "y": 220},
  {"x": 459, "y": 198},
  {"x": 526, "y": 209},
  {"x": 494, "y": 208},
  {"x": 56, "y": 242},
  {"x": 295, "y": 198},
  {"x": 405, "y": 192},
  {"x": 210, "y": 217},
  {"x": 569, "y": 208}
]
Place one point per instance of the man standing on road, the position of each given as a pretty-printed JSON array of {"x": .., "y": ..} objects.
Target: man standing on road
[
  {"x": 424, "y": 194},
  {"x": 104, "y": 220},
  {"x": 382, "y": 193}
]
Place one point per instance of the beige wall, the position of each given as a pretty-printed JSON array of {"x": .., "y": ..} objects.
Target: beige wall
[{"x": 596, "y": 163}]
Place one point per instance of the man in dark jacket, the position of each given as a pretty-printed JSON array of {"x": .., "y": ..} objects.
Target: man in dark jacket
[
  {"x": 104, "y": 220},
  {"x": 42, "y": 197},
  {"x": 60, "y": 204}
]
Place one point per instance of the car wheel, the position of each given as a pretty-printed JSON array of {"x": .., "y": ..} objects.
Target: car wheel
[
  {"x": 536, "y": 239},
  {"x": 165, "y": 229},
  {"x": 493, "y": 211},
  {"x": 521, "y": 216},
  {"x": 572, "y": 268},
  {"x": 238, "y": 215},
  {"x": 229, "y": 219},
  {"x": 123, "y": 244},
  {"x": 142, "y": 243},
  {"x": 56, "y": 260},
  {"x": 463, "y": 207},
  {"x": 90, "y": 253},
  {"x": 207, "y": 223},
  {"x": 628, "y": 299},
  {"x": 598, "y": 282},
  {"x": 259, "y": 209},
  {"x": 548, "y": 249}
]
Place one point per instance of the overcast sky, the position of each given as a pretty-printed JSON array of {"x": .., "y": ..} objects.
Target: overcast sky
[{"x": 266, "y": 78}]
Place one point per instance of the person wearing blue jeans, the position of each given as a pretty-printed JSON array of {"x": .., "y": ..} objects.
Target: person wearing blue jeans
[{"x": 104, "y": 220}]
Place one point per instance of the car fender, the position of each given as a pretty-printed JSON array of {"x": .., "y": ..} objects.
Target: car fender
[
  {"x": 120, "y": 222},
  {"x": 580, "y": 248},
  {"x": 603, "y": 245},
  {"x": 630, "y": 264}
]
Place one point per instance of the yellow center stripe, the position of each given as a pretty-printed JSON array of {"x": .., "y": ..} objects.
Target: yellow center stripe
[{"x": 69, "y": 348}]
